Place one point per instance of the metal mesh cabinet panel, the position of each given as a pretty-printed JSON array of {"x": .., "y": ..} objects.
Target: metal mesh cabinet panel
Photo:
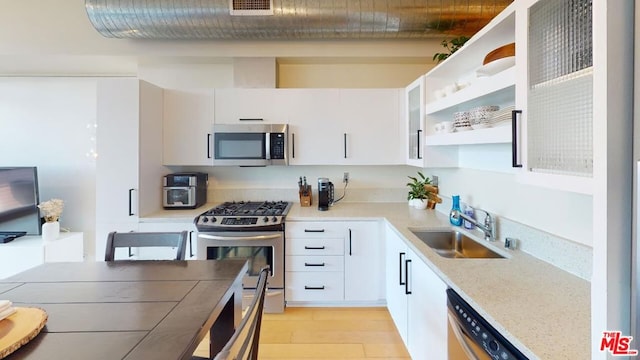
[{"x": 560, "y": 98}]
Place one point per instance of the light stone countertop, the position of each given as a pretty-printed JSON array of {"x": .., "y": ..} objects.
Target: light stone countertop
[{"x": 544, "y": 311}]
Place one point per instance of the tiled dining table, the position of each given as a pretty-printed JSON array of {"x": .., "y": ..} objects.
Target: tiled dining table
[{"x": 129, "y": 309}]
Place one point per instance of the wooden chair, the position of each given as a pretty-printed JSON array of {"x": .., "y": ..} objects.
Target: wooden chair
[
  {"x": 243, "y": 344},
  {"x": 146, "y": 239}
]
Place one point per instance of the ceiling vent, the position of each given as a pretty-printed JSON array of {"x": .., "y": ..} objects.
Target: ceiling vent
[
  {"x": 251, "y": 7},
  {"x": 290, "y": 19}
]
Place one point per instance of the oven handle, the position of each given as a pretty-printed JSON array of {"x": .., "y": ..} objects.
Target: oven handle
[
  {"x": 236, "y": 238},
  {"x": 461, "y": 337}
]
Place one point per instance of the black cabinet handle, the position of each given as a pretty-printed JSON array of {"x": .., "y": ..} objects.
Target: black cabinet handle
[
  {"x": 418, "y": 133},
  {"x": 406, "y": 271},
  {"x": 514, "y": 139},
  {"x": 251, "y": 119},
  {"x": 310, "y": 264},
  {"x": 345, "y": 145},
  {"x": 293, "y": 146},
  {"x": 208, "y": 146},
  {"x": 314, "y": 230},
  {"x": 314, "y": 287},
  {"x": 314, "y": 247},
  {"x": 401, "y": 282},
  {"x": 131, "y": 202},
  {"x": 130, "y": 253},
  {"x": 350, "y": 247},
  {"x": 190, "y": 244}
]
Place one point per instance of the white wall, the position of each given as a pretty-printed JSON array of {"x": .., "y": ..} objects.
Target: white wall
[{"x": 48, "y": 122}]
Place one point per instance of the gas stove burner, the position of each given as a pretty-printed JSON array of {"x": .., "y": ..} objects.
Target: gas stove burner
[{"x": 244, "y": 216}]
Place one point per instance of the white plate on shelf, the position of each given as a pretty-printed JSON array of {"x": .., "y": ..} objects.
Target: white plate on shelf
[{"x": 496, "y": 66}]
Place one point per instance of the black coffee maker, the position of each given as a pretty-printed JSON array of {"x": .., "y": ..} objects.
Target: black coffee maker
[{"x": 325, "y": 194}]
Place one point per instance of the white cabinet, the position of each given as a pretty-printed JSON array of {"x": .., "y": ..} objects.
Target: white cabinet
[
  {"x": 333, "y": 261},
  {"x": 556, "y": 95},
  {"x": 26, "y": 252},
  {"x": 416, "y": 299},
  {"x": 314, "y": 262},
  {"x": 344, "y": 126},
  {"x": 187, "y": 127},
  {"x": 371, "y": 126},
  {"x": 363, "y": 257},
  {"x": 151, "y": 253},
  {"x": 129, "y": 165},
  {"x": 246, "y": 106},
  {"x": 314, "y": 138}
]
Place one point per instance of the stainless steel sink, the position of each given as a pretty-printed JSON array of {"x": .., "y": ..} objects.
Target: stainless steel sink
[{"x": 454, "y": 244}]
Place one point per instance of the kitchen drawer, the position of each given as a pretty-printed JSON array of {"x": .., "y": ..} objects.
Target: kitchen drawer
[
  {"x": 314, "y": 263},
  {"x": 314, "y": 286},
  {"x": 314, "y": 246},
  {"x": 315, "y": 229}
]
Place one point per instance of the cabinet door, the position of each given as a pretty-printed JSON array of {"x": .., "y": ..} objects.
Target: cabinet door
[
  {"x": 414, "y": 113},
  {"x": 372, "y": 126},
  {"x": 554, "y": 92},
  {"x": 187, "y": 126},
  {"x": 246, "y": 106},
  {"x": 166, "y": 253},
  {"x": 395, "y": 256},
  {"x": 427, "y": 309},
  {"x": 363, "y": 262},
  {"x": 315, "y": 133},
  {"x": 117, "y": 165}
]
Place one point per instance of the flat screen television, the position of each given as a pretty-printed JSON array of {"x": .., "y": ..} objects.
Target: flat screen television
[{"x": 19, "y": 199}]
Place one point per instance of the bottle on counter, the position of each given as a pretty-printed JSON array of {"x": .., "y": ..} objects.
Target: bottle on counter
[
  {"x": 454, "y": 215},
  {"x": 468, "y": 210}
]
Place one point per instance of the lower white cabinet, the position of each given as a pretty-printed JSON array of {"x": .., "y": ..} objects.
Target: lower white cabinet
[
  {"x": 333, "y": 261},
  {"x": 417, "y": 301},
  {"x": 26, "y": 252}
]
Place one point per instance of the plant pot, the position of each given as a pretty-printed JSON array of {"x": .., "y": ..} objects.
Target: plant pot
[
  {"x": 50, "y": 230},
  {"x": 420, "y": 203}
]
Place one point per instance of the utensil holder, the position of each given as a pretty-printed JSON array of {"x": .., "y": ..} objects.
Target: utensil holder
[{"x": 305, "y": 200}]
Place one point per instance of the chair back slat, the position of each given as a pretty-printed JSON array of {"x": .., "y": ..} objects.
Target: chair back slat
[
  {"x": 244, "y": 341},
  {"x": 177, "y": 240}
]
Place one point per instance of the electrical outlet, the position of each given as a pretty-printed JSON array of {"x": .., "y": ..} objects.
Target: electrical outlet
[{"x": 345, "y": 178}]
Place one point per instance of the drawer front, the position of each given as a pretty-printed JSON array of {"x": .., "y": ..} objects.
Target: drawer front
[
  {"x": 315, "y": 229},
  {"x": 314, "y": 263},
  {"x": 314, "y": 286},
  {"x": 314, "y": 246}
]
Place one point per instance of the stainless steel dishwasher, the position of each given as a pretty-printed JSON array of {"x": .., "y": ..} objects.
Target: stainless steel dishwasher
[{"x": 471, "y": 336}]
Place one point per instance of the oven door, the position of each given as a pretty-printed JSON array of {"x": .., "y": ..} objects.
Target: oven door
[{"x": 259, "y": 248}]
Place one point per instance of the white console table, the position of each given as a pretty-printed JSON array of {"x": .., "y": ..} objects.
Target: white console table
[{"x": 29, "y": 251}]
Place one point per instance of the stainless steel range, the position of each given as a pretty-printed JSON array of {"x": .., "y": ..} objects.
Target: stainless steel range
[{"x": 251, "y": 230}]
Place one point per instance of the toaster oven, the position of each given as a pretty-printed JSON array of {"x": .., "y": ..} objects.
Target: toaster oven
[{"x": 184, "y": 190}]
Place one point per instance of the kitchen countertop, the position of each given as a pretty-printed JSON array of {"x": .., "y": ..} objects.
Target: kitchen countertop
[{"x": 544, "y": 311}]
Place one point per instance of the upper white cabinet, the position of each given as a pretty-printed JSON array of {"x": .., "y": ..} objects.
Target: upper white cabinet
[
  {"x": 247, "y": 106},
  {"x": 129, "y": 165},
  {"x": 314, "y": 135},
  {"x": 371, "y": 126},
  {"x": 187, "y": 126},
  {"x": 556, "y": 93}
]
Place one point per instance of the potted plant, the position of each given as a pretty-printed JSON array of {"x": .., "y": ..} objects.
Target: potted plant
[
  {"x": 452, "y": 46},
  {"x": 418, "y": 195}
]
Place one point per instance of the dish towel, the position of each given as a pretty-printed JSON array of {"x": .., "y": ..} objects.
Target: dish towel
[{"x": 6, "y": 309}]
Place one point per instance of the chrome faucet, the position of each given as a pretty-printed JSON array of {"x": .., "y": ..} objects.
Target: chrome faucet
[{"x": 488, "y": 227}]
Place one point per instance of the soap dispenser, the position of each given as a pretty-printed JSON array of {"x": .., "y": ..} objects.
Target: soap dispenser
[
  {"x": 468, "y": 210},
  {"x": 454, "y": 215}
]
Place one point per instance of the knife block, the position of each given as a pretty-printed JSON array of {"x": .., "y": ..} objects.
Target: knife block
[{"x": 305, "y": 200}]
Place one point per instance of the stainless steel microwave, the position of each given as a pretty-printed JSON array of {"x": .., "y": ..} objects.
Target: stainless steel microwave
[{"x": 250, "y": 144}]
